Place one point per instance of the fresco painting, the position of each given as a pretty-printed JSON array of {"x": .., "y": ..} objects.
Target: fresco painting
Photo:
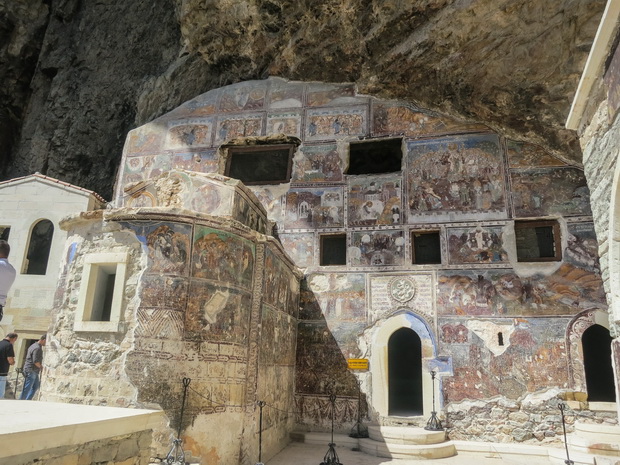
[
  {"x": 317, "y": 163},
  {"x": 224, "y": 257},
  {"x": 278, "y": 290},
  {"x": 341, "y": 296},
  {"x": 335, "y": 123},
  {"x": 203, "y": 105},
  {"x": 332, "y": 94},
  {"x": 524, "y": 155},
  {"x": 314, "y": 208},
  {"x": 455, "y": 175},
  {"x": 476, "y": 245},
  {"x": 232, "y": 127},
  {"x": 273, "y": 200},
  {"x": 204, "y": 161},
  {"x": 169, "y": 247},
  {"x": 582, "y": 248},
  {"x": 502, "y": 292},
  {"x": 164, "y": 292},
  {"x": 535, "y": 355},
  {"x": 248, "y": 214},
  {"x": 167, "y": 244},
  {"x": 243, "y": 96},
  {"x": 532, "y": 197},
  {"x": 374, "y": 200},
  {"x": 206, "y": 199},
  {"x": 159, "y": 323},
  {"x": 398, "y": 118},
  {"x": 145, "y": 167},
  {"x": 144, "y": 140},
  {"x": 321, "y": 366},
  {"x": 190, "y": 133},
  {"x": 217, "y": 313},
  {"x": 377, "y": 248},
  {"x": 285, "y": 95},
  {"x": 280, "y": 330},
  {"x": 288, "y": 123},
  {"x": 300, "y": 247}
]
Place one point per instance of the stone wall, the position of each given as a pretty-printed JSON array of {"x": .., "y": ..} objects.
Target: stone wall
[
  {"x": 490, "y": 325},
  {"x": 599, "y": 136},
  {"x": 206, "y": 298}
]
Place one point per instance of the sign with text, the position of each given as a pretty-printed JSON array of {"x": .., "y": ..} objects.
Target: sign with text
[{"x": 357, "y": 363}]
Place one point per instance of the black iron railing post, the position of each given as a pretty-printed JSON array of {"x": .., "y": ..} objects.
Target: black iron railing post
[
  {"x": 331, "y": 457},
  {"x": 176, "y": 456},
  {"x": 261, "y": 404},
  {"x": 434, "y": 423},
  {"x": 562, "y": 407}
]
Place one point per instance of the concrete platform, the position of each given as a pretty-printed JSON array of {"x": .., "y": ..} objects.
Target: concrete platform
[{"x": 32, "y": 428}]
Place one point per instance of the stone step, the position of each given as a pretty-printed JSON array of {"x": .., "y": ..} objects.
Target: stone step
[
  {"x": 597, "y": 439},
  {"x": 405, "y": 435},
  {"x": 407, "y": 451},
  {"x": 323, "y": 439},
  {"x": 598, "y": 432}
]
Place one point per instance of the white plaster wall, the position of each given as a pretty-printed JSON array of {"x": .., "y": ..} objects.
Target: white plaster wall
[{"x": 25, "y": 202}]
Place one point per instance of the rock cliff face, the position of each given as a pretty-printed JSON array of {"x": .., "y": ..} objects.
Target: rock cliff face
[{"x": 76, "y": 76}]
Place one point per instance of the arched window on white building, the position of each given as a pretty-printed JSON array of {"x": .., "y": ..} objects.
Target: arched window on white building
[{"x": 38, "y": 250}]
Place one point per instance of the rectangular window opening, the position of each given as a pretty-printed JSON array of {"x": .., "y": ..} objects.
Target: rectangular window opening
[
  {"x": 104, "y": 293},
  {"x": 538, "y": 241},
  {"x": 375, "y": 157},
  {"x": 333, "y": 249},
  {"x": 426, "y": 248},
  {"x": 261, "y": 164}
]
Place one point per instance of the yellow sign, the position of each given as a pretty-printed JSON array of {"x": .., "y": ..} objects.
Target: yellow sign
[{"x": 357, "y": 363}]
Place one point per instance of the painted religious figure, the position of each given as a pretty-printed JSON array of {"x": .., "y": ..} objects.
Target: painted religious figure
[{"x": 374, "y": 200}]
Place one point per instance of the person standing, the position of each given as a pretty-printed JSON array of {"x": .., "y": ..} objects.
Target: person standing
[
  {"x": 7, "y": 274},
  {"x": 32, "y": 367},
  {"x": 7, "y": 358}
]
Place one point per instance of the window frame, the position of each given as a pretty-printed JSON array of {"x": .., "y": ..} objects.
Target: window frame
[
  {"x": 94, "y": 264},
  {"x": 233, "y": 149},
  {"x": 557, "y": 239},
  {"x": 422, "y": 232},
  {"x": 322, "y": 237}
]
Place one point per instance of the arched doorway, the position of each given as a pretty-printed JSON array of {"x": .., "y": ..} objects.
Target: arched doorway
[
  {"x": 596, "y": 343},
  {"x": 405, "y": 373}
]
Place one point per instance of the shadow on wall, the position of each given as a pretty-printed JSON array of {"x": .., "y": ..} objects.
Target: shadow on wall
[{"x": 322, "y": 370}]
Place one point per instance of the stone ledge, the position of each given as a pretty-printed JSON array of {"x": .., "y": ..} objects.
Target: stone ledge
[{"x": 32, "y": 426}]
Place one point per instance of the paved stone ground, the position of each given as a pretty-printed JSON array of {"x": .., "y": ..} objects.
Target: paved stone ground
[{"x": 311, "y": 454}]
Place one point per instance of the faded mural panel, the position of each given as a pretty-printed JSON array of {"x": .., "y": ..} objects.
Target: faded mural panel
[
  {"x": 531, "y": 195},
  {"x": 455, "y": 177}
]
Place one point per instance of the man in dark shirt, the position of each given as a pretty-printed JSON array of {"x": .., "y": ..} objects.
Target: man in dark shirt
[
  {"x": 7, "y": 358},
  {"x": 32, "y": 368}
]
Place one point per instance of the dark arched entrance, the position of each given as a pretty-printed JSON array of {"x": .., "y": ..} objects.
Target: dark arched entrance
[
  {"x": 405, "y": 373},
  {"x": 596, "y": 343}
]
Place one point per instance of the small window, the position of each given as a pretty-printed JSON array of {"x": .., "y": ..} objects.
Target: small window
[
  {"x": 334, "y": 249},
  {"x": 538, "y": 241},
  {"x": 5, "y": 231},
  {"x": 262, "y": 164},
  {"x": 375, "y": 157},
  {"x": 101, "y": 292},
  {"x": 39, "y": 248},
  {"x": 426, "y": 248}
]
